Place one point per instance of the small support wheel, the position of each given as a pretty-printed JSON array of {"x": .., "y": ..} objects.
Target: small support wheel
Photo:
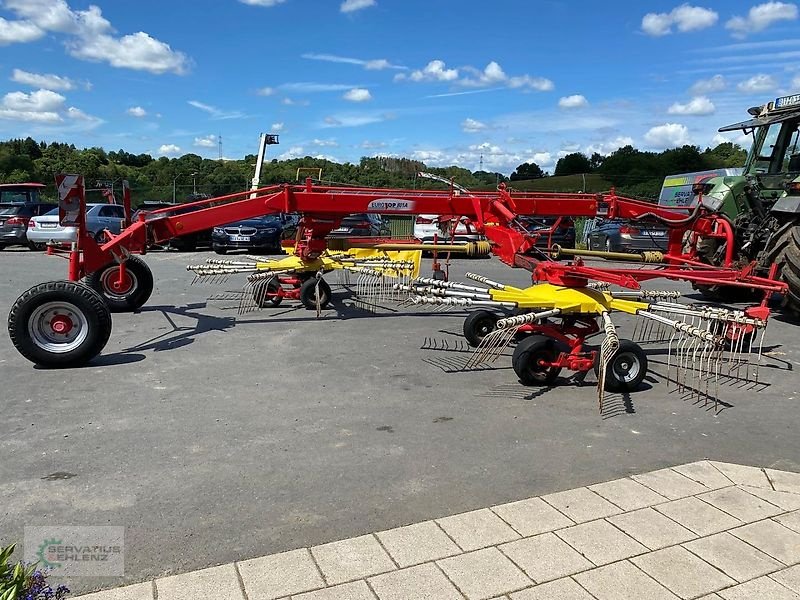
[
  {"x": 479, "y": 324},
  {"x": 308, "y": 294},
  {"x": 128, "y": 294},
  {"x": 627, "y": 368},
  {"x": 60, "y": 324},
  {"x": 528, "y": 357},
  {"x": 266, "y": 293}
]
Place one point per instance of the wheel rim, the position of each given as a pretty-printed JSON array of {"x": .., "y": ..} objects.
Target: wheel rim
[
  {"x": 58, "y": 327},
  {"x": 626, "y": 367},
  {"x": 536, "y": 370},
  {"x": 116, "y": 289},
  {"x": 484, "y": 327}
]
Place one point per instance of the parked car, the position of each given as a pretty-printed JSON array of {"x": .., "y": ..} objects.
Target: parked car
[
  {"x": 616, "y": 235},
  {"x": 426, "y": 227},
  {"x": 20, "y": 192},
  {"x": 262, "y": 235},
  {"x": 46, "y": 229},
  {"x": 186, "y": 243},
  {"x": 360, "y": 225},
  {"x": 563, "y": 235},
  {"x": 14, "y": 219}
]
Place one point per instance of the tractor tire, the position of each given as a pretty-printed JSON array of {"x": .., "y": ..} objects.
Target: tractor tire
[
  {"x": 308, "y": 294},
  {"x": 60, "y": 324},
  {"x": 627, "y": 368},
  {"x": 479, "y": 324},
  {"x": 706, "y": 250},
  {"x": 787, "y": 257},
  {"x": 527, "y": 355},
  {"x": 132, "y": 293}
]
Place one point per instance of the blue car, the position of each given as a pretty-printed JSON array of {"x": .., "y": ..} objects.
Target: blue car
[{"x": 261, "y": 235}]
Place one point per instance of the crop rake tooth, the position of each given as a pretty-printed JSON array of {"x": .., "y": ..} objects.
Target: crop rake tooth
[{"x": 608, "y": 348}]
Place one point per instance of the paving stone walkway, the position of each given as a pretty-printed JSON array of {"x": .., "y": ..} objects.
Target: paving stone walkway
[{"x": 707, "y": 529}]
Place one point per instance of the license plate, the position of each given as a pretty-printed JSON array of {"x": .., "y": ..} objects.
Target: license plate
[
  {"x": 48, "y": 225},
  {"x": 240, "y": 238},
  {"x": 656, "y": 233}
]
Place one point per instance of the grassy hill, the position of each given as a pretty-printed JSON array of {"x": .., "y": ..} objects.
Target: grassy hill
[{"x": 564, "y": 183}]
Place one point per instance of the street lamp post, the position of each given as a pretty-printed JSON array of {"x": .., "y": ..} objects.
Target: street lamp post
[
  {"x": 194, "y": 184},
  {"x": 174, "y": 179}
]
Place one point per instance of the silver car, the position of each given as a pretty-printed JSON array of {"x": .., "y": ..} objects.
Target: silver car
[{"x": 46, "y": 229}]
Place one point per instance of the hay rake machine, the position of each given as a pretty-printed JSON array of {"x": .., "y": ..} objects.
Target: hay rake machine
[{"x": 67, "y": 323}]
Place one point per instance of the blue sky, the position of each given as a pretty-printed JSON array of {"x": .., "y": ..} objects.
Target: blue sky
[{"x": 443, "y": 81}]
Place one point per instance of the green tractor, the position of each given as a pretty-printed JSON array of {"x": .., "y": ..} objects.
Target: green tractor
[{"x": 763, "y": 204}]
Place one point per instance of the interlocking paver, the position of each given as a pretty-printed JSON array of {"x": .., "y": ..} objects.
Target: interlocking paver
[
  {"x": 670, "y": 484},
  {"x": 220, "y": 583},
  {"x": 762, "y": 588},
  {"x": 698, "y": 516},
  {"x": 280, "y": 575},
  {"x": 357, "y": 590},
  {"x": 425, "y": 582},
  {"x": 772, "y": 538},
  {"x": 733, "y": 557},
  {"x": 622, "y": 581},
  {"x": 582, "y": 504},
  {"x": 417, "y": 543},
  {"x": 352, "y": 559},
  {"x": 651, "y": 528},
  {"x": 477, "y": 529},
  {"x": 784, "y": 481},
  {"x": 704, "y": 473},
  {"x": 682, "y": 572},
  {"x": 785, "y": 500},
  {"x": 790, "y": 520},
  {"x": 601, "y": 542},
  {"x": 562, "y": 589},
  {"x": 743, "y": 475},
  {"x": 484, "y": 574},
  {"x": 139, "y": 591},
  {"x": 740, "y": 504},
  {"x": 627, "y": 493},
  {"x": 532, "y": 516},
  {"x": 789, "y": 578},
  {"x": 545, "y": 557}
]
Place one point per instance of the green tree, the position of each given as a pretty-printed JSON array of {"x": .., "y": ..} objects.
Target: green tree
[
  {"x": 573, "y": 164},
  {"x": 527, "y": 171}
]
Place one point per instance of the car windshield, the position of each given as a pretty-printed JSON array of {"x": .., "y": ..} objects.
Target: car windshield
[{"x": 7, "y": 211}]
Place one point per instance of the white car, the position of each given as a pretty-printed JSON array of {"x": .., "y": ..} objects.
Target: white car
[
  {"x": 46, "y": 229},
  {"x": 428, "y": 226}
]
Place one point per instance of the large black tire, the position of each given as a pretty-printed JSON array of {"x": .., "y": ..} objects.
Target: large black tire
[
  {"x": 36, "y": 246},
  {"x": 220, "y": 250},
  {"x": 134, "y": 291},
  {"x": 308, "y": 294},
  {"x": 264, "y": 293},
  {"x": 479, "y": 324},
  {"x": 706, "y": 252},
  {"x": 527, "y": 355},
  {"x": 786, "y": 253},
  {"x": 627, "y": 368},
  {"x": 59, "y": 324}
]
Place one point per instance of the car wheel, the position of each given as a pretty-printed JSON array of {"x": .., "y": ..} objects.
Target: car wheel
[
  {"x": 220, "y": 250},
  {"x": 36, "y": 246}
]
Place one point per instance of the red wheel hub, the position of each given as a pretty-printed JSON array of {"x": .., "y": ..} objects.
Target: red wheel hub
[
  {"x": 61, "y": 324},
  {"x": 113, "y": 283}
]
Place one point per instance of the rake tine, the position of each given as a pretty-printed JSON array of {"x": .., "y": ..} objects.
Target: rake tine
[{"x": 760, "y": 348}]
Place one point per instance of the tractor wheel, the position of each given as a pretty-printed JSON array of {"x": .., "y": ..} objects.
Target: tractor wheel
[
  {"x": 265, "y": 293},
  {"x": 36, "y": 246},
  {"x": 308, "y": 294},
  {"x": 60, "y": 324},
  {"x": 479, "y": 324},
  {"x": 706, "y": 251},
  {"x": 527, "y": 359},
  {"x": 627, "y": 368},
  {"x": 127, "y": 295},
  {"x": 786, "y": 253}
]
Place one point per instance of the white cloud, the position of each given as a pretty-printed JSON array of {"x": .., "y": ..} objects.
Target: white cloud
[
  {"x": 292, "y": 152},
  {"x": 358, "y": 95},
  {"x": 716, "y": 83},
  {"x": 216, "y": 113},
  {"x": 265, "y": 91},
  {"x": 42, "y": 80},
  {"x": 352, "y": 120},
  {"x": 208, "y": 141},
  {"x": 574, "y": 101},
  {"x": 435, "y": 70},
  {"x": 290, "y": 102},
  {"x": 668, "y": 135},
  {"x": 608, "y": 146},
  {"x": 276, "y": 127},
  {"x": 13, "y": 32},
  {"x": 539, "y": 84},
  {"x": 331, "y": 143},
  {"x": 758, "y": 84},
  {"x": 492, "y": 74},
  {"x": 353, "y": 5},
  {"x": 472, "y": 126},
  {"x": 375, "y": 64},
  {"x": 262, "y": 2},
  {"x": 91, "y": 37},
  {"x": 796, "y": 83},
  {"x": 38, "y": 101},
  {"x": 368, "y": 145},
  {"x": 543, "y": 159},
  {"x": 760, "y": 17},
  {"x": 696, "y": 106},
  {"x": 684, "y": 17},
  {"x": 45, "y": 107},
  {"x": 169, "y": 149},
  {"x": 136, "y": 111},
  {"x": 741, "y": 139},
  {"x": 307, "y": 87}
]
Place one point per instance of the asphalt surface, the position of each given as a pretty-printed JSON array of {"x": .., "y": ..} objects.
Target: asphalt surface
[{"x": 212, "y": 437}]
